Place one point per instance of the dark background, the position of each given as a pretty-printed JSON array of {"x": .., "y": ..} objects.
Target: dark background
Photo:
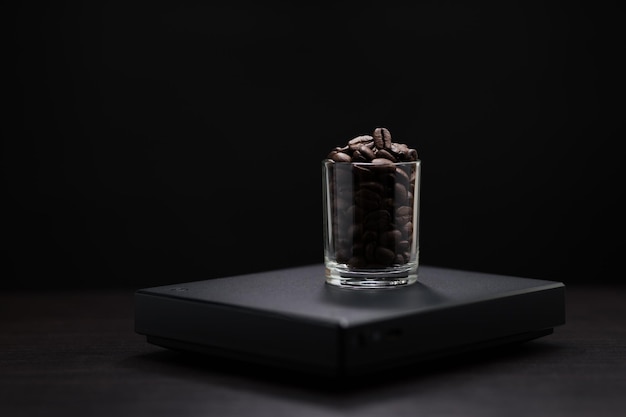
[{"x": 149, "y": 143}]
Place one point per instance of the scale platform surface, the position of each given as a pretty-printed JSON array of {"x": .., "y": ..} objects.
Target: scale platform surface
[{"x": 292, "y": 319}]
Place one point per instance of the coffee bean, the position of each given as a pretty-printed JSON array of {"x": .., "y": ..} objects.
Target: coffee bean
[
  {"x": 363, "y": 172},
  {"x": 384, "y": 256},
  {"x": 404, "y": 211},
  {"x": 342, "y": 255},
  {"x": 400, "y": 150},
  {"x": 358, "y": 249},
  {"x": 385, "y": 164},
  {"x": 391, "y": 238},
  {"x": 388, "y": 204},
  {"x": 366, "y": 199},
  {"x": 400, "y": 221},
  {"x": 374, "y": 186},
  {"x": 355, "y": 143},
  {"x": 357, "y": 262},
  {"x": 400, "y": 192},
  {"x": 403, "y": 177},
  {"x": 342, "y": 203},
  {"x": 367, "y": 152},
  {"x": 369, "y": 236},
  {"x": 407, "y": 229},
  {"x": 403, "y": 246},
  {"x": 370, "y": 251},
  {"x": 382, "y": 153},
  {"x": 378, "y": 220},
  {"x": 382, "y": 138},
  {"x": 341, "y": 157},
  {"x": 355, "y": 213},
  {"x": 357, "y": 156}
]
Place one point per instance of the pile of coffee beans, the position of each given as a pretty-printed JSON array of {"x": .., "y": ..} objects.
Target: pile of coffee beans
[
  {"x": 371, "y": 202},
  {"x": 377, "y": 148}
]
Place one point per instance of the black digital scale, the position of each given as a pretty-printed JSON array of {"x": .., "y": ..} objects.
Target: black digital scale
[{"x": 292, "y": 319}]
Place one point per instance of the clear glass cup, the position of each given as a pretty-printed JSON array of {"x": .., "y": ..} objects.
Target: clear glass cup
[{"x": 371, "y": 223}]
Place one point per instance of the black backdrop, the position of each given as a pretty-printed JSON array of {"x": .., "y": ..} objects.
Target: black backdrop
[{"x": 160, "y": 142}]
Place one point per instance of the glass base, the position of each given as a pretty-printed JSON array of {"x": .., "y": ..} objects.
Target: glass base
[{"x": 341, "y": 275}]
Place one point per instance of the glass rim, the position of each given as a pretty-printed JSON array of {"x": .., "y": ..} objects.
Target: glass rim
[{"x": 328, "y": 160}]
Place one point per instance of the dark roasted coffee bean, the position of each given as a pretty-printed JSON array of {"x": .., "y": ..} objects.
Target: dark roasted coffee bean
[
  {"x": 382, "y": 153},
  {"x": 402, "y": 220},
  {"x": 366, "y": 199},
  {"x": 407, "y": 229},
  {"x": 400, "y": 150},
  {"x": 357, "y": 156},
  {"x": 341, "y": 157},
  {"x": 404, "y": 211},
  {"x": 378, "y": 138},
  {"x": 384, "y": 164},
  {"x": 376, "y": 215},
  {"x": 378, "y": 221},
  {"x": 400, "y": 193},
  {"x": 404, "y": 214},
  {"x": 387, "y": 204},
  {"x": 357, "y": 262},
  {"x": 387, "y": 138},
  {"x": 374, "y": 186},
  {"x": 369, "y": 236},
  {"x": 358, "y": 249},
  {"x": 355, "y": 213},
  {"x": 382, "y": 138},
  {"x": 370, "y": 251},
  {"x": 340, "y": 149},
  {"x": 367, "y": 152},
  {"x": 384, "y": 256},
  {"x": 390, "y": 238},
  {"x": 403, "y": 245},
  {"x": 363, "y": 172},
  {"x": 355, "y": 143},
  {"x": 342, "y": 203},
  {"x": 342, "y": 255},
  {"x": 403, "y": 177}
]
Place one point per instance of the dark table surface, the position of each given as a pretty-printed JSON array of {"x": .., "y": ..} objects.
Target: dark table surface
[{"x": 76, "y": 353}]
